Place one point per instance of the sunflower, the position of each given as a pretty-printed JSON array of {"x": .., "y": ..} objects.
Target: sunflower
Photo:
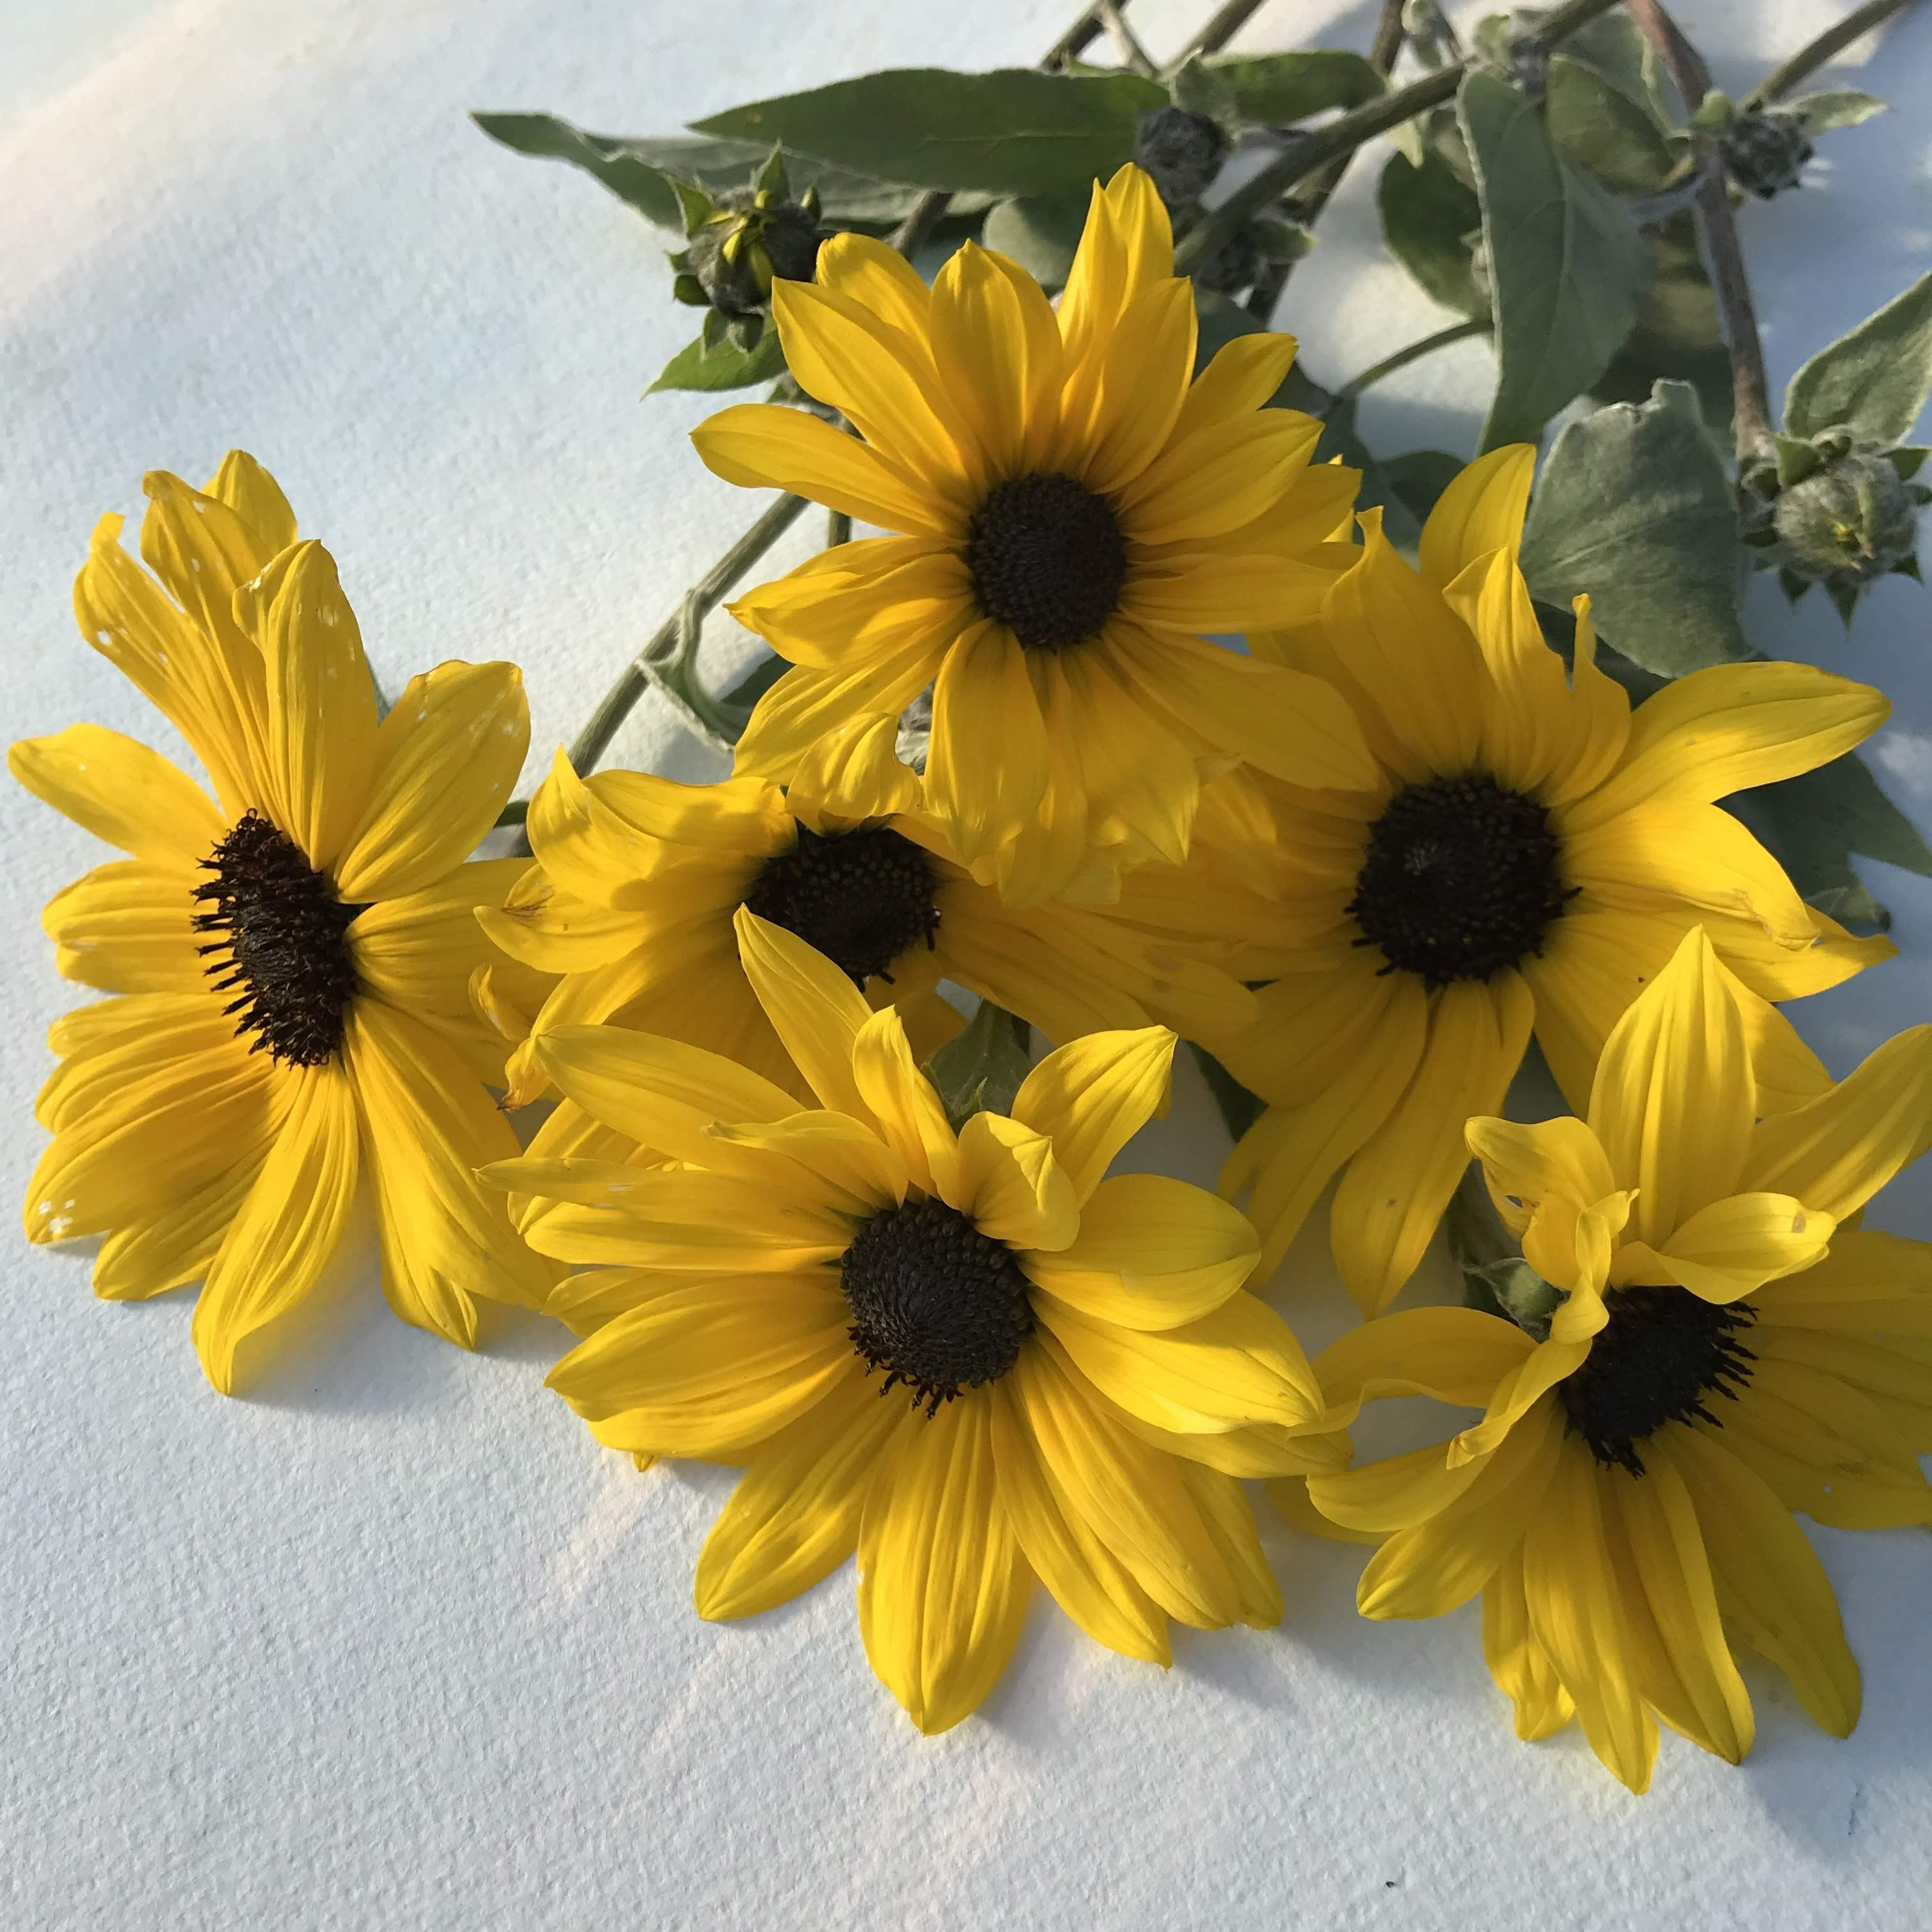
[
  {"x": 289, "y": 957},
  {"x": 1074, "y": 1379},
  {"x": 1725, "y": 1345},
  {"x": 637, "y": 879},
  {"x": 1072, "y": 510},
  {"x": 1527, "y": 859}
]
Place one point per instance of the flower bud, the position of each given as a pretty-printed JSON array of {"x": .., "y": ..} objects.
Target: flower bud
[
  {"x": 1765, "y": 151},
  {"x": 1181, "y": 151},
  {"x": 751, "y": 238},
  {"x": 1848, "y": 523}
]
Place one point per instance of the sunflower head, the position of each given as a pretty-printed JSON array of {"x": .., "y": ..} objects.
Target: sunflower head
[
  {"x": 1528, "y": 855},
  {"x": 971, "y": 1354},
  {"x": 1073, "y": 508},
  {"x": 1729, "y": 1345}
]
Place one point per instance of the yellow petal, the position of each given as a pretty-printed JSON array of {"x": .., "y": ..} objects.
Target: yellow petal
[
  {"x": 1150, "y": 1253},
  {"x": 1240, "y": 1365},
  {"x": 1090, "y": 1097},
  {"x": 853, "y": 774},
  {"x": 1396, "y": 1492},
  {"x": 794, "y": 1516},
  {"x": 447, "y": 758},
  {"x": 173, "y": 1245},
  {"x": 1576, "y": 1616},
  {"x": 1519, "y": 1663},
  {"x": 943, "y": 1587},
  {"x": 1481, "y": 511},
  {"x": 1011, "y": 1187},
  {"x": 983, "y": 697},
  {"x": 878, "y": 278},
  {"x": 1733, "y": 1247},
  {"x": 116, "y": 788},
  {"x": 1243, "y": 376},
  {"x": 1674, "y": 1100},
  {"x": 320, "y": 756},
  {"x": 1836, "y": 1152},
  {"x": 1528, "y": 727},
  {"x": 290, "y": 1225},
  {"x": 1091, "y": 1584},
  {"x": 997, "y": 349},
  {"x": 805, "y": 704},
  {"x": 126, "y": 927},
  {"x": 256, "y": 498},
  {"x": 1560, "y": 1157},
  {"x": 1729, "y": 727},
  {"x": 1396, "y": 1188},
  {"x": 1456, "y": 1355},
  {"x": 1771, "y": 1589},
  {"x": 813, "y": 1005},
  {"x": 1220, "y": 477},
  {"x": 1546, "y": 1365},
  {"x": 762, "y": 446},
  {"x": 901, "y": 1099}
]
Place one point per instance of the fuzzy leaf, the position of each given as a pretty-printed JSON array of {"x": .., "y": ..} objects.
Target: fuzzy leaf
[
  {"x": 979, "y": 1071},
  {"x": 1566, "y": 266},
  {"x": 1676, "y": 338},
  {"x": 1613, "y": 136},
  {"x": 1635, "y": 506},
  {"x": 1011, "y": 132},
  {"x": 1040, "y": 232},
  {"x": 1426, "y": 212},
  {"x": 1875, "y": 379},
  {"x": 1832, "y": 107},
  {"x": 1273, "y": 89},
  {"x": 722, "y": 366}
]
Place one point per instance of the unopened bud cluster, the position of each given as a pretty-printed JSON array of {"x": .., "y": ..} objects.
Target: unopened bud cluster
[{"x": 737, "y": 243}]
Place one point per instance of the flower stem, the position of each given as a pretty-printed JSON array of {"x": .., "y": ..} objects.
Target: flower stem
[
  {"x": 1344, "y": 136},
  {"x": 1132, "y": 54},
  {"x": 1807, "y": 61},
  {"x": 1460, "y": 332},
  {"x": 1220, "y": 28},
  {"x": 1718, "y": 231}
]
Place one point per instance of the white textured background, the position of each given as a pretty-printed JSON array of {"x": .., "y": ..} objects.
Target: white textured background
[{"x": 390, "y": 1642}]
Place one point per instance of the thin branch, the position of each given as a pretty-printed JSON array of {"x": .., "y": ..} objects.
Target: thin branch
[
  {"x": 1383, "y": 52},
  {"x": 1308, "y": 158},
  {"x": 1075, "y": 42},
  {"x": 1717, "y": 232},
  {"x": 1220, "y": 28},
  {"x": 1809, "y": 58},
  {"x": 1459, "y": 331},
  {"x": 1132, "y": 53},
  {"x": 920, "y": 223}
]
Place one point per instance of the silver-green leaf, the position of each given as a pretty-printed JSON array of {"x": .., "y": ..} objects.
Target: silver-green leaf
[
  {"x": 1875, "y": 380},
  {"x": 1275, "y": 89},
  {"x": 1566, "y": 265},
  {"x": 723, "y": 365},
  {"x": 1635, "y": 507}
]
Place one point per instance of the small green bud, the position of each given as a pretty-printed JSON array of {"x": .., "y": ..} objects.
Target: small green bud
[
  {"x": 749, "y": 241},
  {"x": 1847, "y": 523},
  {"x": 1764, "y": 151},
  {"x": 1181, "y": 151}
]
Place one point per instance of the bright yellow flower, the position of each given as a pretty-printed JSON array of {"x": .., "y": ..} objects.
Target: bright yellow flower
[
  {"x": 1528, "y": 858},
  {"x": 1074, "y": 1378},
  {"x": 291, "y": 956},
  {"x": 1073, "y": 509},
  {"x": 637, "y": 879},
  {"x": 1729, "y": 1346}
]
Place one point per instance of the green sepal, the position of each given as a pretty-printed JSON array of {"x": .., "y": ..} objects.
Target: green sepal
[
  {"x": 1908, "y": 566},
  {"x": 1844, "y": 600},
  {"x": 1239, "y": 1108},
  {"x": 745, "y": 332},
  {"x": 1796, "y": 460},
  {"x": 979, "y": 1070},
  {"x": 1906, "y": 461},
  {"x": 1195, "y": 86},
  {"x": 712, "y": 332},
  {"x": 770, "y": 179},
  {"x": 1715, "y": 113},
  {"x": 689, "y": 290},
  {"x": 693, "y": 204},
  {"x": 1793, "y": 586},
  {"x": 1281, "y": 241}
]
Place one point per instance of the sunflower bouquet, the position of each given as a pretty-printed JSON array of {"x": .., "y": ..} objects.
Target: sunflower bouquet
[{"x": 1417, "y": 797}]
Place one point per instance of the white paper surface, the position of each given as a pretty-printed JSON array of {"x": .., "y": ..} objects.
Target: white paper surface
[{"x": 390, "y": 1642}]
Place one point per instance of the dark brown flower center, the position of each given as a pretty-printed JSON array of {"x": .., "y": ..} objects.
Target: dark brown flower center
[
  {"x": 1047, "y": 560},
  {"x": 937, "y": 1305},
  {"x": 1462, "y": 876},
  {"x": 1663, "y": 1353},
  {"x": 863, "y": 898},
  {"x": 279, "y": 936}
]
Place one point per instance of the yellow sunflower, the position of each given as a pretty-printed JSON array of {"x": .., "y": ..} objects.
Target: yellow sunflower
[
  {"x": 1072, "y": 510},
  {"x": 1530, "y": 853},
  {"x": 637, "y": 879},
  {"x": 290, "y": 957},
  {"x": 1074, "y": 1379},
  {"x": 1725, "y": 1345}
]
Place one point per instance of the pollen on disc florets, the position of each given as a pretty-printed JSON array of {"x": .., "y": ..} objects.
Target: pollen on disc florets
[
  {"x": 1462, "y": 877},
  {"x": 278, "y": 938},
  {"x": 940, "y": 1306},
  {"x": 863, "y": 898},
  {"x": 1047, "y": 559},
  {"x": 1663, "y": 1353}
]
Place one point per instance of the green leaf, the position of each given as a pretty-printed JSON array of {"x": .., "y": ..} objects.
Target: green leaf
[
  {"x": 1614, "y": 136},
  {"x": 1832, "y": 107},
  {"x": 979, "y": 1071},
  {"x": 723, "y": 366},
  {"x": 738, "y": 703},
  {"x": 1240, "y": 1109},
  {"x": 1795, "y": 460},
  {"x": 1011, "y": 132},
  {"x": 1676, "y": 338},
  {"x": 1566, "y": 266},
  {"x": 1426, "y": 212},
  {"x": 1635, "y": 506},
  {"x": 1401, "y": 524},
  {"x": 1419, "y": 478},
  {"x": 1273, "y": 89},
  {"x": 1201, "y": 90},
  {"x": 1875, "y": 380},
  {"x": 640, "y": 171},
  {"x": 1039, "y": 232}
]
